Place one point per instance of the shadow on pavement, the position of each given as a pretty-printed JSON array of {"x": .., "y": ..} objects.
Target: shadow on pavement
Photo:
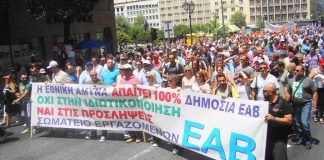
[{"x": 8, "y": 140}]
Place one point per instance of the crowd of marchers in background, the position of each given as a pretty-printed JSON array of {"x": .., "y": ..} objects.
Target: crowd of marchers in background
[{"x": 286, "y": 69}]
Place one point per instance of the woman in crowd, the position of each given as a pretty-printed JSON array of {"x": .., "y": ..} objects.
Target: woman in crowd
[
  {"x": 188, "y": 79},
  {"x": 200, "y": 85},
  {"x": 9, "y": 91},
  {"x": 243, "y": 85}
]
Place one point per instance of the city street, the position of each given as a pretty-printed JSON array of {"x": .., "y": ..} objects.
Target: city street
[{"x": 46, "y": 146}]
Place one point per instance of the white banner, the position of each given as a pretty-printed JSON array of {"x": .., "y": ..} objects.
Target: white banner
[{"x": 217, "y": 128}]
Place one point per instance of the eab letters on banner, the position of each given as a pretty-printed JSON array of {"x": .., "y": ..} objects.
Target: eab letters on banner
[{"x": 217, "y": 128}]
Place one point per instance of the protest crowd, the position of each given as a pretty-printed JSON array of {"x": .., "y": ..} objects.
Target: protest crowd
[{"x": 284, "y": 68}]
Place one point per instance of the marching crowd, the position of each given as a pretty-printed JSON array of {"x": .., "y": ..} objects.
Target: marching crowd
[{"x": 286, "y": 69}]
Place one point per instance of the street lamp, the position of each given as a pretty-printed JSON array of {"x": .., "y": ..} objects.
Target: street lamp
[
  {"x": 189, "y": 7},
  {"x": 215, "y": 17}
]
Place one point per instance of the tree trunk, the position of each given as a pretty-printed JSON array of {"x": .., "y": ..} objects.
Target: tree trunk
[{"x": 67, "y": 23}]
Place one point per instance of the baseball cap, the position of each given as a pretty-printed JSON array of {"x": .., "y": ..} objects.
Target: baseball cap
[
  {"x": 226, "y": 54},
  {"x": 127, "y": 66},
  {"x": 173, "y": 50},
  {"x": 146, "y": 62},
  {"x": 52, "y": 64},
  {"x": 89, "y": 64},
  {"x": 321, "y": 62},
  {"x": 42, "y": 70}
]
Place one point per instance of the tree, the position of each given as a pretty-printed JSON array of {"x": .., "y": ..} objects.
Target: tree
[
  {"x": 141, "y": 21},
  {"x": 238, "y": 18},
  {"x": 123, "y": 38},
  {"x": 181, "y": 30},
  {"x": 137, "y": 31},
  {"x": 122, "y": 24},
  {"x": 61, "y": 11},
  {"x": 260, "y": 24},
  {"x": 160, "y": 35},
  {"x": 205, "y": 27}
]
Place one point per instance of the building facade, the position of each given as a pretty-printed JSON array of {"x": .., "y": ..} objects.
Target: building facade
[
  {"x": 172, "y": 10},
  {"x": 133, "y": 8},
  {"x": 229, "y": 8},
  {"x": 281, "y": 11},
  {"x": 28, "y": 36}
]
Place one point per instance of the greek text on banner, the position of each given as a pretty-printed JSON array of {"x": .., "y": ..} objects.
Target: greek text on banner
[{"x": 206, "y": 124}]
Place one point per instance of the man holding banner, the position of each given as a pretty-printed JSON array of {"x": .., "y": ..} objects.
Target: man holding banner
[
  {"x": 95, "y": 81},
  {"x": 279, "y": 121}
]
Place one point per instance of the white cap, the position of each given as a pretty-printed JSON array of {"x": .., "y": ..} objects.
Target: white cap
[
  {"x": 127, "y": 66},
  {"x": 173, "y": 50},
  {"x": 260, "y": 60},
  {"x": 42, "y": 70},
  {"x": 226, "y": 54},
  {"x": 146, "y": 62},
  {"x": 52, "y": 64}
]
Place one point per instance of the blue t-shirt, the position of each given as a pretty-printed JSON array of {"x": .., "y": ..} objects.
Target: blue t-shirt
[
  {"x": 109, "y": 77},
  {"x": 73, "y": 77}
]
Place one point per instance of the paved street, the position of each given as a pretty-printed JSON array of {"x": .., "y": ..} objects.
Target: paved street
[{"x": 46, "y": 146}]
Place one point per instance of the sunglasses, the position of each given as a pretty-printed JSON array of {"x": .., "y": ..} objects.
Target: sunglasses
[{"x": 148, "y": 76}]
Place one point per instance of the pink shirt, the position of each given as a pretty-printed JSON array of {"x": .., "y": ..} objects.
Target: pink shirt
[{"x": 132, "y": 80}]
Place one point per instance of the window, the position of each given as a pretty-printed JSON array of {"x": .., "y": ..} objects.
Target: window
[
  {"x": 224, "y": 2},
  {"x": 122, "y": 9},
  {"x": 225, "y": 17},
  {"x": 117, "y": 9},
  {"x": 216, "y": 3},
  {"x": 241, "y": 8},
  {"x": 232, "y": 2},
  {"x": 233, "y": 9}
]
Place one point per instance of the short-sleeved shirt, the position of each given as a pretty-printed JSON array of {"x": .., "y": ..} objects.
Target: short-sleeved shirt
[
  {"x": 22, "y": 89},
  {"x": 132, "y": 80},
  {"x": 60, "y": 77},
  {"x": 259, "y": 82},
  {"x": 313, "y": 60},
  {"x": 277, "y": 131},
  {"x": 304, "y": 92},
  {"x": 176, "y": 69},
  {"x": 84, "y": 77},
  {"x": 109, "y": 77},
  {"x": 319, "y": 80}
]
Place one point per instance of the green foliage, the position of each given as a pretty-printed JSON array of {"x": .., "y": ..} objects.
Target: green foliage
[
  {"x": 205, "y": 27},
  {"x": 181, "y": 30},
  {"x": 238, "y": 19},
  {"x": 260, "y": 25},
  {"x": 160, "y": 35},
  {"x": 123, "y": 38},
  {"x": 138, "y": 32},
  {"x": 321, "y": 17},
  {"x": 122, "y": 24},
  {"x": 61, "y": 11}
]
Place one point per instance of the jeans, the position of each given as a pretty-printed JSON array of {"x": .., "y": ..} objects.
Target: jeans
[{"x": 302, "y": 120}]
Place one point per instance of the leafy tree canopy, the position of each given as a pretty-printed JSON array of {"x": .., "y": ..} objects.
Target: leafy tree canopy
[
  {"x": 61, "y": 11},
  {"x": 238, "y": 18},
  {"x": 122, "y": 24}
]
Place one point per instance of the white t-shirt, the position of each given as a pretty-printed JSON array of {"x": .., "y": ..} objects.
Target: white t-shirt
[
  {"x": 195, "y": 87},
  {"x": 261, "y": 82},
  {"x": 319, "y": 81}
]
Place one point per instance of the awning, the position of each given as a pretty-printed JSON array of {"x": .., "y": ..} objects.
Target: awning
[{"x": 233, "y": 28}]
